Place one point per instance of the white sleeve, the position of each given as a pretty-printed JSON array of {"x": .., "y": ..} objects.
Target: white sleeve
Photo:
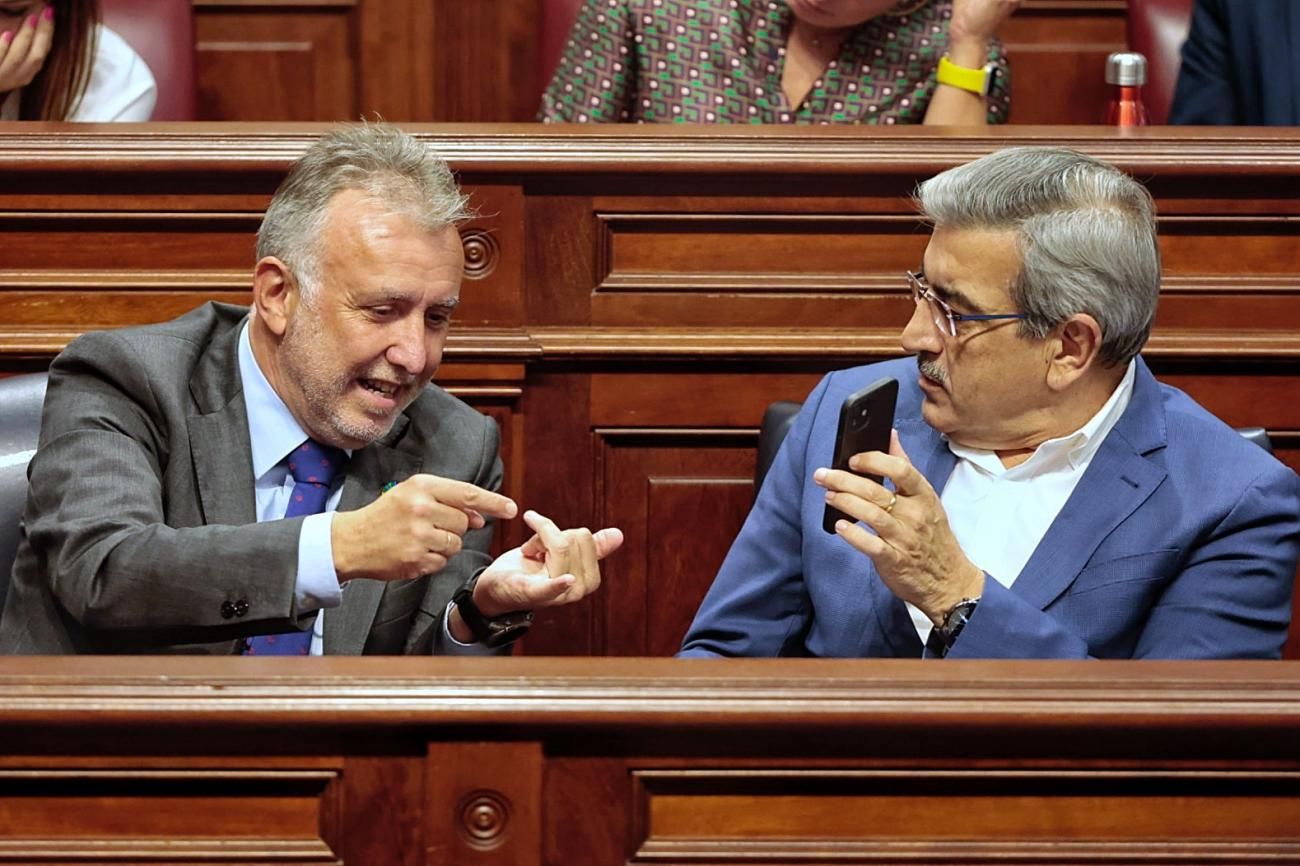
[{"x": 121, "y": 86}]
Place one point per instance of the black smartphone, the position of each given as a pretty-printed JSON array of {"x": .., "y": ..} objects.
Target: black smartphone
[{"x": 866, "y": 418}]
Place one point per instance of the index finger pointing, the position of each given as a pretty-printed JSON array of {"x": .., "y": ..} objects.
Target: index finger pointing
[
  {"x": 550, "y": 534},
  {"x": 469, "y": 498},
  {"x": 553, "y": 540}
]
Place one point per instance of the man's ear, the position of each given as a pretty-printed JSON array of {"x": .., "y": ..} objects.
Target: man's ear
[
  {"x": 1076, "y": 350},
  {"x": 275, "y": 294}
]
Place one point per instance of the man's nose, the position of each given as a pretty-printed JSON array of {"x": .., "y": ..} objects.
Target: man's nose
[
  {"x": 920, "y": 334},
  {"x": 408, "y": 351}
]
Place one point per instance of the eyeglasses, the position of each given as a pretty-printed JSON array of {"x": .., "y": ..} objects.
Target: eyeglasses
[{"x": 942, "y": 315}]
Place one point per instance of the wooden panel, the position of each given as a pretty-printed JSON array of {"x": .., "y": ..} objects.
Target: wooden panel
[
  {"x": 85, "y": 240},
  {"x": 90, "y": 814},
  {"x": 967, "y": 804},
  {"x": 743, "y": 253},
  {"x": 671, "y": 488},
  {"x": 494, "y": 256},
  {"x": 487, "y": 56},
  {"x": 381, "y": 804},
  {"x": 957, "y": 815},
  {"x": 603, "y": 762},
  {"x": 484, "y": 804},
  {"x": 1057, "y": 50},
  {"x": 561, "y": 485},
  {"x": 276, "y": 61},
  {"x": 341, "y": 59},
  {"x": 398, "y": 61}
]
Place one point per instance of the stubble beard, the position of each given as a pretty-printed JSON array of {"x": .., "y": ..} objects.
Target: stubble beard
[{"x": 326, "y": 392}]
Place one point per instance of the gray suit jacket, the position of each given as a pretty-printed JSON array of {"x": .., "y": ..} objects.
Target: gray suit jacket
[{"x": 140, "y": 523}]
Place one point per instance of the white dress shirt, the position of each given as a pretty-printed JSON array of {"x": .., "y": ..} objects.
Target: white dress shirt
[
  {"x": 999, "y": 515},
  {"x": 121, "y": 87}
]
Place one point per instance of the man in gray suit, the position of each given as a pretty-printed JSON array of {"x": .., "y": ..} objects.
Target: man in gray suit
[{"x": 167, "y": 510}]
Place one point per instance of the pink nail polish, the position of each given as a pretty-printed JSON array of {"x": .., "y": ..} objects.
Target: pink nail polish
[
  {"x": 31, "y": 21},
  {"x": 6, "y": 37},
  {"x": 48, "y": 14}
]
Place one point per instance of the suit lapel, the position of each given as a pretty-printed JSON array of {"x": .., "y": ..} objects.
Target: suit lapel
[
  {"x": 1291, "y": 15},
  {"x": 931, "y": 456},
  {"x": 370, "y": 468},
  {"x": 219, "y": 446},
  {"x": 1119, "y": 479}
]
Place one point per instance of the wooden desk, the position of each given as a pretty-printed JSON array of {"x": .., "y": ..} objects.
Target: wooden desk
[
  {"x": 635, "y": 296},
  {"x": 603, "y": 762}
]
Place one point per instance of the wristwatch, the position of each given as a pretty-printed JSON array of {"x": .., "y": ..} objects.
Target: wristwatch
[
  {"x": 495, "y": 631},
  {"x": 943, "y": 636},
  {"x": 975, "y": 80}
]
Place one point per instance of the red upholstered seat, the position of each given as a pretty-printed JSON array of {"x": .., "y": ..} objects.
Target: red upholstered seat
[
  {"x": 557, "y": 20},
  {"x": 1157, "y": 29},
  {"x": 162, "y": 32}
]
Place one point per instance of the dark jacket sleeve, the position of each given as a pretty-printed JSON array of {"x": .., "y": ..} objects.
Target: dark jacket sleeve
[{"x": 1206, "y": 93}]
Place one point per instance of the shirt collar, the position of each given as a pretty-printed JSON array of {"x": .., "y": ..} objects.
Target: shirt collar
[
  {"x": 1076, "y": 448},
  {"x": 272, "y": 429}
]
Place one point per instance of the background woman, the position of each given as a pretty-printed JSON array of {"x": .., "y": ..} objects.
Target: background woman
[
  {"x": 783, "y": 61},
  {"x": 57, "y": 62}
]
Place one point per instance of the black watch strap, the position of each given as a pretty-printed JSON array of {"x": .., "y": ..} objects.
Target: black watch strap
[
  {"x": 944, "y": 635},
  {"x": 492, "y": 632}
]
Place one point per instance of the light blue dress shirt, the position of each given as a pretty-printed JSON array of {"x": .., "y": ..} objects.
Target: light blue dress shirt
[{"x": 273, "y": 433}]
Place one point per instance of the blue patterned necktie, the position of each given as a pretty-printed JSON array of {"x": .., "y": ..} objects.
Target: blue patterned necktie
[{"x": 313, "y": 467}]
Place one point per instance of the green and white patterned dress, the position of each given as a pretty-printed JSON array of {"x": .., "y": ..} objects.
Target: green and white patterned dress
[{"x": 719, "y": 61}]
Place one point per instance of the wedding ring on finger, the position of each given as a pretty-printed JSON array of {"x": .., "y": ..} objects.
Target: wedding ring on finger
[{"x": 893, "y": 500}]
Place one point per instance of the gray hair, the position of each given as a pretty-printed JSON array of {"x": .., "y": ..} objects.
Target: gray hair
[
  {"x": 1087, "y": 238},
  {"x": 376, "y": 159}
]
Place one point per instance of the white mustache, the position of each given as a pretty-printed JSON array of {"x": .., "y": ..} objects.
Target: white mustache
[{"x": 931, "y": 370}]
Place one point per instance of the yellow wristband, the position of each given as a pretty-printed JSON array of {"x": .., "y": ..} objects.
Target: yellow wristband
[{"x": 978, "y": 81}]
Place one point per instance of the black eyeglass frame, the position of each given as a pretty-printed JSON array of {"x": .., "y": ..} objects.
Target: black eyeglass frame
[{"x": 921, "y": 291}]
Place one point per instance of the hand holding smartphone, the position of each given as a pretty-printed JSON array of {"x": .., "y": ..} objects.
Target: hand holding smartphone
[{"x": 866, "y": 419}]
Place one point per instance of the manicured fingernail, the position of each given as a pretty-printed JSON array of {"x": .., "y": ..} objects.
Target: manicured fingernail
[
  {"x": 6, "y": 37},
  {"x": 48, "y": 14},
  {"x": 31, "y": 21}
]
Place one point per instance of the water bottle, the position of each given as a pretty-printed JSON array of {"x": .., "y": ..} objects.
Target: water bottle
[{"x": 1126, "y": 72}]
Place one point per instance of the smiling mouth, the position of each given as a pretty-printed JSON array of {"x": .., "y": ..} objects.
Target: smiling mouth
[{"x": 383, "y": 389}]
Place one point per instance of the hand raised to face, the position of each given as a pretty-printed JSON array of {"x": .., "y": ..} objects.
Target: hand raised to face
[
  {"x": 24, "y": 48},
  {"x": 979, "y": 19}
]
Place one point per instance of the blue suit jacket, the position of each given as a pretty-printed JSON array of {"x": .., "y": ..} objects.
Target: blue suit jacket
[
  {"x": 1180, "y": 541},
  {"x": 1241, "y": 65}
]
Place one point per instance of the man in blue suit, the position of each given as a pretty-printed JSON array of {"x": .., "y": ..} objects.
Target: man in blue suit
[
  {"x": 1240, "y": 65},
  {"x": 1044, "y": 496}
]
